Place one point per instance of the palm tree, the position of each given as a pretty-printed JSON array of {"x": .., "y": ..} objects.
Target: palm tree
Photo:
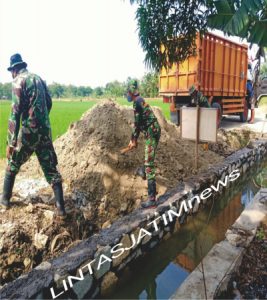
[
  {"x": 243, "y": 18},
  {"x": 159, "y": 21}
]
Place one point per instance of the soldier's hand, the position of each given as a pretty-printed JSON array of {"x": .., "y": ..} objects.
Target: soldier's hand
[
  {"x": 9, "y": 152},
  {"x": 132, "y": 144}
]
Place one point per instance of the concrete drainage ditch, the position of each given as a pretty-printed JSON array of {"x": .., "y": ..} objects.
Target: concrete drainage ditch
[
  {"x": 91, "y": 267},
  {"x": 225, "y": 257}
]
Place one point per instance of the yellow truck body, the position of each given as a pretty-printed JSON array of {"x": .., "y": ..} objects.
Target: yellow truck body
[{"x": 219, "y": 71}]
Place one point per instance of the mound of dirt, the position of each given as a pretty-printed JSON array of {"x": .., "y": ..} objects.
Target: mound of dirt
[
  {"x": 91, "y": 164},
  {"x": 229, "y": 141},
  {"x": 100, "y": 184}
]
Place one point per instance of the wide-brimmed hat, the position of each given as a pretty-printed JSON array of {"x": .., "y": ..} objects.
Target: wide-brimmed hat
[{"x": 16, "y": 60}]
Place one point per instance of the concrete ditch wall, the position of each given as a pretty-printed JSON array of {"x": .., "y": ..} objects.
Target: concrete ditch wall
[
  {"x": 84, "y": 259},
  {"x": 225, "y": 257}
]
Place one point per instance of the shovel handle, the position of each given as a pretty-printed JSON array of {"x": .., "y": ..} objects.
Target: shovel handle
[{"x": 124, "y": 150}]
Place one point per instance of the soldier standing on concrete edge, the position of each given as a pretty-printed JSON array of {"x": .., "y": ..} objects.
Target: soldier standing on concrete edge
[
  {"x": 145, "y": 121},
  {"x": 31, "y": 104}
]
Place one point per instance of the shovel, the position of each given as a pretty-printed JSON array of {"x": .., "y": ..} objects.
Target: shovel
[{"x": 125, "y": 150}]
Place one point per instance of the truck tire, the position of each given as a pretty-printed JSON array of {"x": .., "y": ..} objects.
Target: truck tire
[
  {"x": 219, "y": 112},
  {"x": 244, "y": 114}
]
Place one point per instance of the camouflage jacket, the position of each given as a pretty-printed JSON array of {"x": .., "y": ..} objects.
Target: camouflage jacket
[
  {"x": 31, "y": 103},
  {"x": 143, "y": 117},
  {"x": 202, "y": 100}
]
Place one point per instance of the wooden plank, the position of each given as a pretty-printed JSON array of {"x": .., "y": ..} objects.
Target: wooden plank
[
  {"x": 199, "y": 63},
  {"x": 235, "y": 70},
  {"x": 240, "y": 71},
  {"x": 223, "y": 66},
  {"x": 209, "y": 63},
  {"x": 177, "y": 76},
  {"x": 245, "y": 53},
  {"x": 213, "y": 66},
  {"x": 229, "y": 70},
  {"x": 204, "y": 67},
  {"x": 232, "y": 100},
  {"x": 233, "y": 111},
  {"x": 233, "y": 105}
]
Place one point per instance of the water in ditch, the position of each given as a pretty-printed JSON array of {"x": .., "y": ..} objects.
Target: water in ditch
[{"x": 162, "y": 271}]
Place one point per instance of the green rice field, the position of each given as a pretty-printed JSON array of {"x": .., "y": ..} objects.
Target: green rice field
[{"x": 62, "y": 115}]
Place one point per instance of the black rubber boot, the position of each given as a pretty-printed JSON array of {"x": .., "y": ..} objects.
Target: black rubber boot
[
  {"x": 141, "y": 172},
  {"x": 151, "y": 200},
  {"x": 58, "y": 191},
  {"x": 7, "y": 190}
]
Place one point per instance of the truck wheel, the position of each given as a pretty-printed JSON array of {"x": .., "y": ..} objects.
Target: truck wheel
[
  {"x": 244, "y": 114},
  {"x": 219, "y": 112}
]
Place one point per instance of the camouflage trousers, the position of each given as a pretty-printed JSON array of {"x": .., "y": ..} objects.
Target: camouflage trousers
[
  {"x": 42, "y": 146},
  {"x": 152, "y": 137}
]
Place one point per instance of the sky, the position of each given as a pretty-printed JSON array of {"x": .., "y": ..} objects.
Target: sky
[{"x": 80, "y": 42}]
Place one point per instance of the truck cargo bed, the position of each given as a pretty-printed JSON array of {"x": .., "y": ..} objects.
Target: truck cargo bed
[{"x": 218, "y": 69}]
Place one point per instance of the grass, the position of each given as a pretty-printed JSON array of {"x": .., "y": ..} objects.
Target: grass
[
  {"x": 63, "y": 114},
  {"x": 4, "y": 113},
  {"x": 153, "y": 102}
]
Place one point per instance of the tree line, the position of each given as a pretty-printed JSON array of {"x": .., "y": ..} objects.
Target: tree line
[{"x": 148, "y": 87}]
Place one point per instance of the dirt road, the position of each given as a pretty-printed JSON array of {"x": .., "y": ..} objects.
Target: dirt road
[{"x": 260, "y": 124}]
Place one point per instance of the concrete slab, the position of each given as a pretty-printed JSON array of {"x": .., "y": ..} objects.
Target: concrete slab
[{"x": 216, "y": 264}]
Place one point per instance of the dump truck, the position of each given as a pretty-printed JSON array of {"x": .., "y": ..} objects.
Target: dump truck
[{"x": 218, "y": 71}]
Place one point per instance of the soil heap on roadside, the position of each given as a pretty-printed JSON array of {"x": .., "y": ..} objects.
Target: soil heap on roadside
[{"x": 93, "y": 168}]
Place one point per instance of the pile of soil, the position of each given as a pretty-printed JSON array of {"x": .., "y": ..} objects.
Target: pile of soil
[
  {"x": 229, "y": 141},
  {"x": 91, "y": 164},
  {"x": 100, "y": 184}
]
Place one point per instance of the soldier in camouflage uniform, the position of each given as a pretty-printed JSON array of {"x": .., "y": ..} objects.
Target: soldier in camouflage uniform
[
  {"x": 146, "y": 122},
  {"x": 198, "y": 97},
  {"x": 31, "y": 104}
]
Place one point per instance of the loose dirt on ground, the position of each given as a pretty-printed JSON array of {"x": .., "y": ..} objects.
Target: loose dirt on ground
[
  {"x": 100, "y": 183},
  {"x": 93, "y": 168},
  {"x": 250, "y": 282}
]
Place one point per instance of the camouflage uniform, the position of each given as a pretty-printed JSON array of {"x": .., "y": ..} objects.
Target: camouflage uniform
[
  {"x": 146, "y": 122},
  {"x": 31, "y": 103},
  {"x": 202, "y": 100}
]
